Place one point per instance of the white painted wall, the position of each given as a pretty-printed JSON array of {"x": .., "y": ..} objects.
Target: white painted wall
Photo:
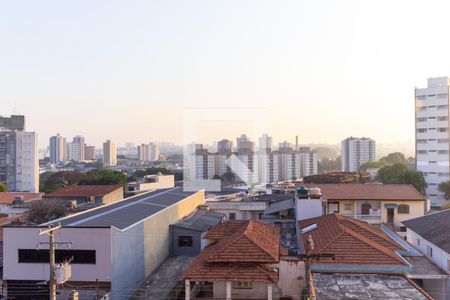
[
  {"x": 439, "y": 289},
  {"x": 98, "y": 239},
  {"x": 308, "y": 208}
]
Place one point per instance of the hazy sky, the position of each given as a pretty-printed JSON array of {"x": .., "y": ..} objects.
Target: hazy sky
[{"x": 127, "y": 70}]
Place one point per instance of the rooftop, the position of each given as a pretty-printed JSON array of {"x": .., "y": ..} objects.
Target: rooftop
[
  {"x": 354, "y": 243},
  {"x": 9, "y": 197},
  {"x": 237, "y": 205},
  {"x": 84, "y": 191},
  {"x": 434, "y": 227},
  {"x": 355, "y": 191},
  {"x": 239, "y": 250},
  {"x": 201, "y": 220},
  {"x": 368, "y": 286},
  {"x": 126, "y": 212}
]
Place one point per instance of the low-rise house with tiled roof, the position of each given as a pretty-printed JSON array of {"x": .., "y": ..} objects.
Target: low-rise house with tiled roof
[
  {"x": 13, "y": 203},
  {"x": 431, "y": 235},
  {"x": 243, "y": 261},
  {"x": 362, "y": 249},
  {"x": 373, "y": 203},
  {"x": 87, "y": 194}
]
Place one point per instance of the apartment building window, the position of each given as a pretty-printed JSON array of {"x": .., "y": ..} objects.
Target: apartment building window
[
  {"x": 403, "y": 209},
  {"x": 422, "y": 152},
  {"x": 442, "y": 174},
  {"x": 43, "y": 256},
  {"x": 429, "y": 251},
  {"x": 442, "y": 118},
  {"x": 432, "y": 129},
  {"x": 432, "y": 162},
  {"x": 432, "y": 140},
  {"x": 442, "y": 141},
  {"x": 442, "y": 129},
  {"x": 421, "y": 119},
  {"x": 232, "y": 216},
  {"x": 431, "y": 118},
  {"x": 242, "y": 285},
  {"x": 185, "y": 241},
  {"x": 421, "y": 141},
  {"x": 421, "y": 130},
  {"x": 442, "y": 152},
  {"x": 442, "y": 107}
]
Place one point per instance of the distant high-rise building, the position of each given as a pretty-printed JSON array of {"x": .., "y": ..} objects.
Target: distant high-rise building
[
  {"x": 76, "y": 149},
  {"x": 89, "y": 152},
  {"x": 244, "y": 145},
  {"x": 148, "y": 152},
  {"x": 109, "y": 154},
  {"x": 57, "y": 149},
  {"x": 224, "y": 146},
  {"x": 19, "y": 164},
  {"x": 355, "y": 152},
  {"x": 265, "y": 142},
  {"x": 432, "y": 136}
]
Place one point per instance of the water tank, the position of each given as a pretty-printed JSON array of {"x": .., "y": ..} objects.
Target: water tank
[
  {"x": 302, "y": 191},
  {"x": 315, "y": 191}
]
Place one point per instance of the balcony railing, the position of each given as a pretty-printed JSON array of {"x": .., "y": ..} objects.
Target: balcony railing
[{"x": 371, "y": 219}]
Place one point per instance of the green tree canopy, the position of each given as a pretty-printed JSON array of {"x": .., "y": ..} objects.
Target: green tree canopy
[
  {"x": 108, "y": 176},
  {"x": 326, "y": 164},
  {"x": 3, "y": 187},
  {"x": 395, "y": 158},
  {"x": 400, "y": 173},
  {"x": 444, "y": 187}
]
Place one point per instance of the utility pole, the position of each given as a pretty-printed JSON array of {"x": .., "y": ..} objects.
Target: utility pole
[{"x": 52, "y": 249}]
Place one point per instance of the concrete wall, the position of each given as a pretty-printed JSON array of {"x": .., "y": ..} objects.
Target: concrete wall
[
  {"x": 98, "y": 239},
  {"x": 437, "y": 288},
  {"x": 141, "y": 248},
  {"x": 240, "y": 214},
  {"x": 291, "y": 278},
  {"x": 113, "y": 196},
  {"x": 416, "y": 209},
  {"x": 196, "y": 242},
  {"x": 308, "y": 208}
]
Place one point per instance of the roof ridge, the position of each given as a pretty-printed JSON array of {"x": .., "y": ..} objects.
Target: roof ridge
[
  {"x": 372, "y": 244},
  {"x": 337, "y": 236},
  {"x": 372, "y": 230},
  {"x": 259, "y": 246}
]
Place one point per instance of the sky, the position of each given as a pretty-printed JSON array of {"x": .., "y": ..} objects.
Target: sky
[{"x": 132, "y": 70}]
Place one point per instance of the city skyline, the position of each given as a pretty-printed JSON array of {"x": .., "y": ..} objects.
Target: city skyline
[{"x": 311, "y": 65}]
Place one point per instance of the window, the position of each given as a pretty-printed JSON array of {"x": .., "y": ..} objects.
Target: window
[
  {"x": 402, "y": 228},
  {"x": 242, "y": 285},
  {"x": 442, "y": 106},
  {"x": 442, "y": 129},
  {"x": 421, "y": 141},
  {"x": 442, "y": 141},
  {"x": 448, "y": 265},
  {"x": 421, "y": 130},
  {"x": 348, "y": 206},
  {"x": 442, "y": 152},
  {"x": 185, "y": 241},
  {"x": 429, "y": 251},
  {"x": 421, "y": 152},
  {"x": 403, "y": 209},
  {"x": 43, "y": 256},
  {"x": 442, "y": 118},
  {"x": 418, "y": 242},
  {"x": 232, "y": 216},
  {"x": 421, "y": 119}
]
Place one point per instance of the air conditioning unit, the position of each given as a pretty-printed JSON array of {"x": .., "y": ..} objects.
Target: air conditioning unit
[{"x": 63, "y": 273}]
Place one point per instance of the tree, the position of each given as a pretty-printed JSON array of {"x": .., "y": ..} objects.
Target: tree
[
  {"x": 326, "y": 164},
  {"x": 46, "y": 210},
  {"x": 108, "y": 176},
  {"x": 395, "y": 158},
  {"x": 3, "y": 187},
  {"x": 401, "y": 174},
  {"x": 444, "y": 187}
]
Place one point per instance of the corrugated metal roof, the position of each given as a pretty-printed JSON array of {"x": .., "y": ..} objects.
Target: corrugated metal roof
[
  {"x": 435, "y": 228},
  {"x": 237, "y": 205},
  {"x": 127, "y": 212},
  {"x": 201, "y": 220}
]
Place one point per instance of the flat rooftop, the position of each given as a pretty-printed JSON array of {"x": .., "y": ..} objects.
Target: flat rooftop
[{"x": 126, "y": 212}]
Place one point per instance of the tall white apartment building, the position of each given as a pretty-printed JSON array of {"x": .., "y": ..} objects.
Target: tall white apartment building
[
  {"x": 57, "y": 148},
  {"x": 265, "y": 142},
  {"x": 19, "y": 164},
  {"x": 204, "y": 164},
  {"x": 355, "y": 152},
  {"x": 148, "y": 152},
  {"x": 109, "y": 153},
  {"x": 76, "y": 149},
  {"x": 432, "y": 136}
]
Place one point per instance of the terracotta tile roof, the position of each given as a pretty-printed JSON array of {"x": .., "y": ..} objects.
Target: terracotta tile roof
[
  {"x": 240, "y": 250},
  {"x": 353, "y": 242},
  {"x": 350, "y": 191},
  {"x": 8, "y": 197},
  {"x": 84, "y": 191}
]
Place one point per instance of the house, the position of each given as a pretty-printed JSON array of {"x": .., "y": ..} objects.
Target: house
[
  {"x": 337, "y": 177},
  {"x": 114, "y": 246},
  {"x": 373, "y": 203},
  {"x": 360, "y": 249},
  {"x": 13, "y": 203},
  {"x": 187, "y": 234},
  {"x": 430, "y": 234},
  {"x": 75, "y": 195},
  {"x": 243, "y": 260}
]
